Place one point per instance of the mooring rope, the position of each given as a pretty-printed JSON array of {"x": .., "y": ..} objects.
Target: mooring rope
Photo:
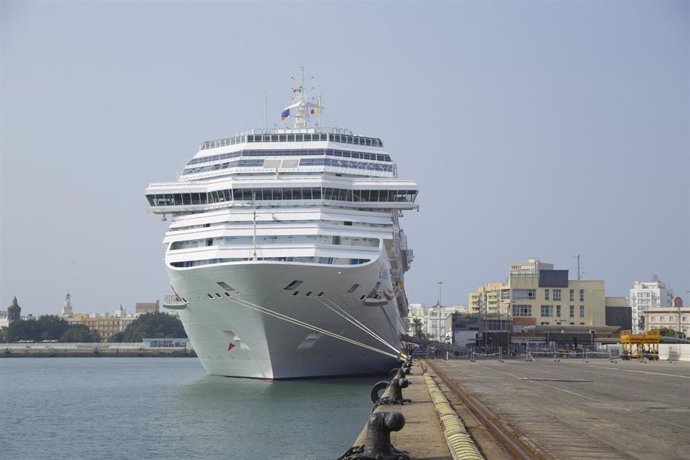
[
  {"x": 275, "y": 314},
  {"x": 343, "y": 313}
]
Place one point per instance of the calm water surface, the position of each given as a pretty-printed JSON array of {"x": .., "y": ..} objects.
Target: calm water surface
[{"x": 168, "y": 408}]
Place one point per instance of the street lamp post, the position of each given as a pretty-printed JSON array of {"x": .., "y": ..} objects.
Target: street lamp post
[{"x": 438, "y": 319}]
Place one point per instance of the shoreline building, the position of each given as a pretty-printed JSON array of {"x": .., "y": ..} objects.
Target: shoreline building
[
  {"x": 676, "y": 318},
  {"x": 538, "y": 295},
  {"x": 645, "y": 295},
  {"x": 490, "y": 299},
  {"x": 106, "y": 325},
  {"x": 141, "y": 308},
  {"x": 543, "y": 296},
  {"x": 433, "y": 319},
  {"x": 540, "y": 302}
]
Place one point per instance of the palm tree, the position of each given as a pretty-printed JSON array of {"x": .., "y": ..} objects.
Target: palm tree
[{"x": 417, "y": 327}]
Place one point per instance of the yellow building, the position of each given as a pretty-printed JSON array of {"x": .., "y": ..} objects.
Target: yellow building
[
  {"x": 536, "y": 294},
  {"x": 490, "y": 299},
  {"x": 106, "y": 326}
]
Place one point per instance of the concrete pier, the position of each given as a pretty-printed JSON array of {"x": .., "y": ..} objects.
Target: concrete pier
[{"x": 575, "y": 409}]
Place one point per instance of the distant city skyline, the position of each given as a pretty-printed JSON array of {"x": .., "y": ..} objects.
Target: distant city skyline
[{"x": 534, "y": 129}]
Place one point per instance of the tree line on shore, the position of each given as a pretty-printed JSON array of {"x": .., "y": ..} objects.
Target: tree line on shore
[{"x": 55, "y": 329}]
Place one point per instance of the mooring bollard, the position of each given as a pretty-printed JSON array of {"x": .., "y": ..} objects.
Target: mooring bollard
[
  {"x": 377, "y": 443},
  {"x": 407, "y": 365},
  {"x": 399, "y": 374},
  {"x": 393, "y": 393}
]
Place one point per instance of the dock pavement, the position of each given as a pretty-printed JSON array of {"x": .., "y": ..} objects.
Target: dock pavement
[{"x": 577, "y": 409}]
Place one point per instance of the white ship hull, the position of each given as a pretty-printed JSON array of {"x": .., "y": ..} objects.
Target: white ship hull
[{"x": 232, "y": 338}]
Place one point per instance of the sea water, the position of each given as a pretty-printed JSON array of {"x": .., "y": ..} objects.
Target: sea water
[{"x": 169, "y": 408}]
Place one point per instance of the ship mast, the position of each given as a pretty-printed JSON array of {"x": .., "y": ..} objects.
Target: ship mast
[
  {"x": 254, "y": 226},
  {"x": 301, "y": 112},
  {"x": 301, "y": 107}
]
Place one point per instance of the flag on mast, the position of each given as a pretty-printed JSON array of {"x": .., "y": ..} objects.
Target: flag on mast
[{"x": 286, "y": 111}]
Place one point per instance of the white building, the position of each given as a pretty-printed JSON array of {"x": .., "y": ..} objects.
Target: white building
[
  {"x": 676, "y": 318},
  {"x": 645, "y": 295},
  {"x": 433, "y": 319}
]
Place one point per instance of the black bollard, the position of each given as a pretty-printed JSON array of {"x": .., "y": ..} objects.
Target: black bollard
[
  {"x": 393, "y": 394},
  {"x": 378, "y": 440},
  {"x": 377, "y": 443},
  {"x": 396, "y": 389}
]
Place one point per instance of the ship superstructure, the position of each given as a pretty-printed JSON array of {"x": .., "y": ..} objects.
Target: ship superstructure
[{"x": 285, "y": 253}]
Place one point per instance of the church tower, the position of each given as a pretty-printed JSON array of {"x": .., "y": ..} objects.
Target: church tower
[
  {"x": 67, "y": 307},
  {"x": 14, "y": 311}
]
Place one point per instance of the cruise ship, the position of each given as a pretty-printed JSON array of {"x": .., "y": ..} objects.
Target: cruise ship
[{"x": 285, "y": 253}]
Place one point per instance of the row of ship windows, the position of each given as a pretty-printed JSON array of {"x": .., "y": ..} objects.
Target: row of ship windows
[
  {"x": 302, "y": 162},
  {"x": 294, "y": 137},
  {"x": 264, "y": 240},
  {"x": 345, "y": 164},
  {"x": 288, "y": 221},
  {"x": 547, "y": 311},
  {"x": 293, "y": 193},
  {"x": 295, "y": 153},
  {"x": 307, "y": 260}
]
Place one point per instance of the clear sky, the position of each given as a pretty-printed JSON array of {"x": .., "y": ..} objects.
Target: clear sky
[{"x": 535, "y": 130}]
